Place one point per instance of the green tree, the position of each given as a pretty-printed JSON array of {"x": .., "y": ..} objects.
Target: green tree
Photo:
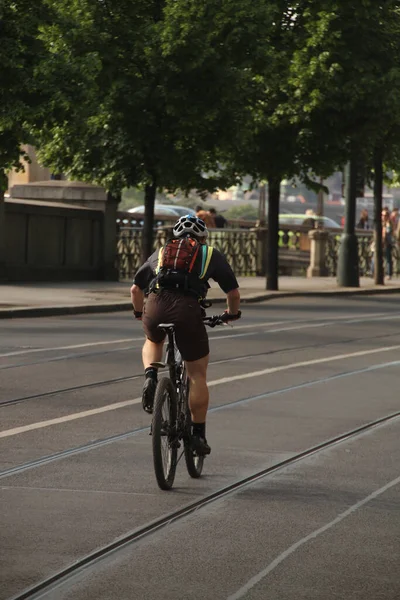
[
  {"x": 344, "y": 78},
  {"x": 254, "y": 41},
  {"x": 21, "y": 100},
  {"x": 271, "y": 146},
  {"x": 148, "y": 117}
]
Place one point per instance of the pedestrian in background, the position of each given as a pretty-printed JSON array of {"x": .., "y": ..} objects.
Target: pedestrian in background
[
  {"x": 205, "y": 216},
  {"x": 220, "y": 221},
  {"x": 363, "y": 223},
  {"x": 310, "y": 220},
  {"x": 387, "y": 241},
  {"x": 394, "y": 217}
]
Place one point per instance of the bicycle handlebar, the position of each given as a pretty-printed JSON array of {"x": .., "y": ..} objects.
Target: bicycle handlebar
[{"x": 214, "y": 321}]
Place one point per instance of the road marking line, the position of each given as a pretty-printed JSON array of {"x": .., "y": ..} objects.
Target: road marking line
[
  {"x": 304, "y": 363},
  {"x": 117, "y": 405},
  {"x": 307, "y": 324},
  {"x": 66, "y": 418},
  {"x": 110, "y": 342},
  {"x": 262, "y": 574},
  {"x": 75, "y": 346},
  {"x": 124, "y": 436}
]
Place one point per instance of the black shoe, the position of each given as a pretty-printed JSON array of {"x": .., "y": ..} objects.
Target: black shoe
[
  {"x": 149, "y": 389},
  {"x": 200, "y": 446}
]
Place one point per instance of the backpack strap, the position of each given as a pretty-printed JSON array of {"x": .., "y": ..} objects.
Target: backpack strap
[
  {"x": 194, "y": 258},
  {"x": 160, "y": 258},
  {"x": 206, "y": 258}
]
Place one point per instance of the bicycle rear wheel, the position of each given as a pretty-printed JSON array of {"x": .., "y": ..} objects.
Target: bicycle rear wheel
[
  {"x": 164, "y": 436},
  {"x": 194, "y": 463}
]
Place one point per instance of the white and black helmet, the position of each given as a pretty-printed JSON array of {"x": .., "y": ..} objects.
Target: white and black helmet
[{"x": 190, "y": 225}]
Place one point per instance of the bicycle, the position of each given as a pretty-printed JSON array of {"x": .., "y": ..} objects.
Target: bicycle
[{"x": 171, "y": 421}]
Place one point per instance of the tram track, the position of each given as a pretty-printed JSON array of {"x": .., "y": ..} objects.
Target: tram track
[
  {"x": 65, "y": 575},
  {"x": 288, "y": 326},
  {"x": 128, "y": 434},
  {"x": 125, "y": 378}
]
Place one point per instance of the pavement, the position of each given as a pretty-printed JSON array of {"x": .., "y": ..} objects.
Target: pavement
[{"x": 62, "y": 298}]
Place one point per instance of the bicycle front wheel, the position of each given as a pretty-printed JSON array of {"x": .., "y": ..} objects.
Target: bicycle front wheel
[{"x": 164, "y": 434}]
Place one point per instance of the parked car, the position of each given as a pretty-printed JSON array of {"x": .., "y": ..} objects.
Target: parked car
[
  {"x": 166, "y": 209},
  {"x": 181, "y": 210},
  {"x": 307, "y": 220},
  {"x": 159, "y": 209}
]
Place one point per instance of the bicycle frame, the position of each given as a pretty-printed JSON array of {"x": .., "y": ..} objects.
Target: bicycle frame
[
  {"x": 176, "y": 367},
  {"x": 168, "y": 429}
]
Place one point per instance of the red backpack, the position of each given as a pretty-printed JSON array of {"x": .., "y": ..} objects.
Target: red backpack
[
  {"x": 175, "y": 268},
  {"x": 179, "y": 254}
]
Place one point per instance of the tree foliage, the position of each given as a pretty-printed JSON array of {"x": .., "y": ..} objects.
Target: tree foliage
[
  {"x": 139, "y": 123},
  {"x": 20, "y": 92},
  {"x": 344, "y": 78},
  {"x": 195, "y": 94}
]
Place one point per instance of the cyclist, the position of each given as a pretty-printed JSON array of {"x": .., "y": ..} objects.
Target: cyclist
[{"x": 175, "y": 280}]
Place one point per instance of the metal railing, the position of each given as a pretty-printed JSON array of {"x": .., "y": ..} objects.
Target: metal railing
[
  {"x": 239, "y": 246},
  {"x": 246, "y": 249},
  {"x": 365, "y": 254}
]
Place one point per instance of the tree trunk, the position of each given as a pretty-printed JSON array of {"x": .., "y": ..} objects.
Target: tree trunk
[
  {"x": 378, "y": 188},
  {"x": 3, "y": 187},
  {"x": 110, "y": 272},
  {"x": 261, "y": 206},
  {"x": 274, "y": 187},
  {"x": 348, "y": 251},
  {"x": 147, "y": 239}
]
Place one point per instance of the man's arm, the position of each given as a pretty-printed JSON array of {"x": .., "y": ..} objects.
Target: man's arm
[
  {"x": 141, "y": 281},
  {"x": 137, "y": 296},
  {"x": 221, "y": 272},
  {"x": 233, "y": 301}
]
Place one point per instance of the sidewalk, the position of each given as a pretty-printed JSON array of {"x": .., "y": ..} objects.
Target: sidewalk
[{"x": 49, "y": 299}]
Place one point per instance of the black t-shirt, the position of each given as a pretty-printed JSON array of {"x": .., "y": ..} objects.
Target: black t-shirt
[
  {"x": 220, "y": 221},
  {"x": 218, "y": 269}
]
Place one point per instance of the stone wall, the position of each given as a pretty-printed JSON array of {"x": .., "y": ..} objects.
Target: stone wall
[
  {"x": 69, "y": 192},
  {"x": 47, "y": 241},
  {"x": 32, "y": 171}
]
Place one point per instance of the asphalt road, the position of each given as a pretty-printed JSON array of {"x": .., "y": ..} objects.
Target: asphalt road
[{"x": 76, "y": 467}]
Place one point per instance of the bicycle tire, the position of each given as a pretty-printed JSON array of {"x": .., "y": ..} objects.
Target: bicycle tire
[
  {"x": 194, "y": 463},
  {"x": 164, "y": 441}
]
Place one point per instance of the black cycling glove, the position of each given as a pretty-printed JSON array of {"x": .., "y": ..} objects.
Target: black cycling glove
[
  {"x": 138, "y": 314},
  {"x": 226, "y": 316}
]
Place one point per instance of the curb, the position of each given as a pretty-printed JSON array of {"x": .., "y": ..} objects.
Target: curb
[
  {"x": 80, "y": 309},
  {"x": 54, "y": 311}
]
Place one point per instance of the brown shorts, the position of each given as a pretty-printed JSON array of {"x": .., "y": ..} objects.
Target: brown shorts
[{"x": 186, "y": 313}]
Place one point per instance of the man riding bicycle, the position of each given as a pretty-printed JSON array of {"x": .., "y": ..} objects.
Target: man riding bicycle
[{"x": 176, "y": 281}]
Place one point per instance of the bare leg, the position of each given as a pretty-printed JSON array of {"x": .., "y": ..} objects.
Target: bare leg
[
  {"x": 152, "y": 352},
  {"x": 198, "y": 391}
]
